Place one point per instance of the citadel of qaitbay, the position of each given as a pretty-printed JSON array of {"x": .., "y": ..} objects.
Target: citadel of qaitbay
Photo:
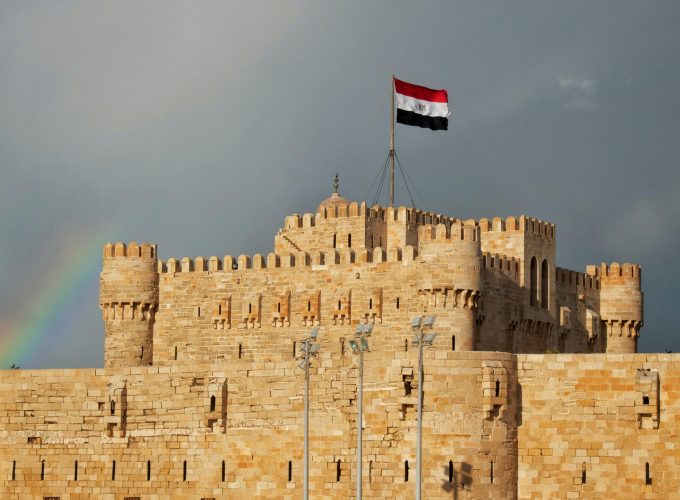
[{"x": 532, "y": 388}]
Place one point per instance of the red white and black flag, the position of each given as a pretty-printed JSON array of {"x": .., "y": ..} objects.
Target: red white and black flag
[{"x": 421, "y": 106}]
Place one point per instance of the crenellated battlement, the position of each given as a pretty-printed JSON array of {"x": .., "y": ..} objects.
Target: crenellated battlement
[
  {"x": 443, "y": 233},
  {"x": 615, "y": 270},
  {"x": 133, "y": 249},
  {"x": 567, "y": 277},
  {"x": 502, "y": 264},
  {"x": 527, "y": 225},
  {"x": 307, "y": 260}
]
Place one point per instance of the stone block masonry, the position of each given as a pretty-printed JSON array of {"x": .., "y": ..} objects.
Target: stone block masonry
[{"x": 201, "y": 396}]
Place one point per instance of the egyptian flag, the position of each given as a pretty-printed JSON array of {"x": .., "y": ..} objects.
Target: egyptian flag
[{"x": 421, "y": 107}]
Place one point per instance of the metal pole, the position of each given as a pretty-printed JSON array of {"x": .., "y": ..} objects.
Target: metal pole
[
  {"x": 360, "y": 422},
  {"x": 306, "y": 457},
  {"x": 392, "y": 145},
  {"x": 419, "y": 443}
]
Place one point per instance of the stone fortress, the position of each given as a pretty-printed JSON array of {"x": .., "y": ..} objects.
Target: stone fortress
[{"x": 533, "y": 387}]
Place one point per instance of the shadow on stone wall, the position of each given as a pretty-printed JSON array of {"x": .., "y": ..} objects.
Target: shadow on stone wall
[{"x": 457, "y": 480}]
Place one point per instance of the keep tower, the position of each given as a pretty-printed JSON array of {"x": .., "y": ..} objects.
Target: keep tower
[{"x": 128, "y": 298}]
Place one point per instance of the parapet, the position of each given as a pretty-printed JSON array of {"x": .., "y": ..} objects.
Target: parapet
[
  {"x": 345, "y": 256},
  {"x": 442, "y": 233},
  {"x": 523, "y": 224},
  {"x": 616, "y": 273},
  {"x": 568, "y": 278},
  {"x": 119, "y": 249},
  {"x": 502, "y": 265}
]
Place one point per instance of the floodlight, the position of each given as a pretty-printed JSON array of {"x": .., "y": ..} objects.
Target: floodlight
[
  {"x": 363, "y": 345},
  {"x": 429, "y": 338},
  {"x": 359, "y": 330},
  {"x": 314, "y": 333},
  {"x": 415, "y": 340},
  {"x": 368, "y": 328},
  {"x": 353, "y": 345},
  {"x": 429, "y": 321},
  {"x": 303, "y": 346},
  {"x": 314, "y": 348},
  {"x": 301, "y": 364},
  {"x": 415, "y": 322}
]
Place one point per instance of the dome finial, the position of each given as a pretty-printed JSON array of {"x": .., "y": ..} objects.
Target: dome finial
[{"x": 336, "y": 183}]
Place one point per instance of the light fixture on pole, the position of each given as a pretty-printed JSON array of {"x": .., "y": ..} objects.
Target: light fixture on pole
[
  {"x": 421, "y": 339},
  {"x": 359, "y": 346},
  {"x": 309, "y": 347}
]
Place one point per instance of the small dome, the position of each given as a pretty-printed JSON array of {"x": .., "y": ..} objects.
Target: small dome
[{"x": 333, "y": 200}]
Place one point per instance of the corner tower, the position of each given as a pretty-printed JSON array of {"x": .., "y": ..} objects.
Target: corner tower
[
  {"x": 620, "y": 305},
  {"x": 128, "y": 298}
]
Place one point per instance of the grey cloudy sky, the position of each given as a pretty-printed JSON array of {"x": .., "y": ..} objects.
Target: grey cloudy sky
[{"x": 199, "y": 125}]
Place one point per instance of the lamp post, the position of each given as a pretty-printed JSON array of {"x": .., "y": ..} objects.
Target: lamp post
[
  {"x": 359, "y": 346},
  {"x": 311, "y": 348},
  {"x": 420, "y": 339}
]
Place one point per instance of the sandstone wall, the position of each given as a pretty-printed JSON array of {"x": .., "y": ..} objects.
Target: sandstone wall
[
  {"x": 602, "y": 415},
  {"x": 209, "y": 311},
  {"x": 164, "y": 417}
]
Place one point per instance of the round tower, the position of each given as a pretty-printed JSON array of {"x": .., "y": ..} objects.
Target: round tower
[
  {"x": 450, "y": 281},
  {"x": 128, "y": 298},
  {"x": 621, "y": 306}
]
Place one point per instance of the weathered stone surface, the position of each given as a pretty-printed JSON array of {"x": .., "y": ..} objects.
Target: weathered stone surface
[{"x": 201, "y": 370}]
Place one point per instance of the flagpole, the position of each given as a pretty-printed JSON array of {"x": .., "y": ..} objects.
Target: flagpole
[{"x": 392, "y": 144}]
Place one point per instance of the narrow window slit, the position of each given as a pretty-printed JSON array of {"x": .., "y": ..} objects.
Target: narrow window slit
[
  {"x": 14, "y": 470},
  {"x": 397, "y": 302},
  {"x": 184, "y": 471},
  {"x": 42, "y": 470},
  {"x": 240, "y": 351},
  {"x": 648, "y": 477},
  {"x": 75, "y": 471},
  {"x": 498, "y": 388},
  {"x": 406, "y": 471},
  {"x": 338, "y": 471},
  {"x": 491, "y": 472},
  {"x": 113, "y": 471},
  {"x": 453, "y": 342},
  {"x": 148, "y": 470},
  {"x": 212, "y": 404},
  {"x": 290, "y": 470},
  {"x": 224, "y": 470},
  {"x": 450, "y": 471},
  {"x": 583, "y": 473}
]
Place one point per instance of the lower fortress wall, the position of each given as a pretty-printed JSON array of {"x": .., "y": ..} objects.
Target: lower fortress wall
[
  {"x": 606, "y": 414},
  {"x": 539, "y": 419}
]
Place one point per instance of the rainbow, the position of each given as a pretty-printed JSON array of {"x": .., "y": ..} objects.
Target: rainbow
[{"x": 68, "y": 284}]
